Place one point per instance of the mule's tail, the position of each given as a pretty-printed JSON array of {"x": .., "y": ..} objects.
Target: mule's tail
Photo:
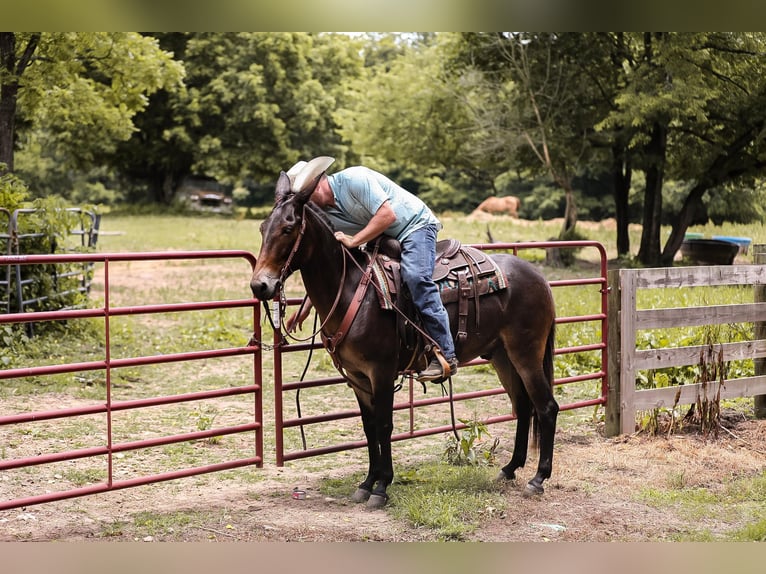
[{"x": 550, "y": 347}]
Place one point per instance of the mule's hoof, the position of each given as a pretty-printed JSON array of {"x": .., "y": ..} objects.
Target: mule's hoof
[
  {"x": 502, "y": 477},
  {"x": 377, "y": 501},
  {"x": 533, "y": 490},
  {"x": 361, "y": 495}
]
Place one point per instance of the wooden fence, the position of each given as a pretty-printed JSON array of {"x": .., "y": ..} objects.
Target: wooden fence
[{"x": 625, "y": 320}]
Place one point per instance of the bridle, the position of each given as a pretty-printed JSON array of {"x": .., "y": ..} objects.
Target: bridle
[
  {"x": 286, "y": 271},
  {"x": 331, "y": 343}
]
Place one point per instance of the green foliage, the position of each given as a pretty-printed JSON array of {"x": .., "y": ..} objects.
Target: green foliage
[
  {"x": 79, "y": 100},
  {"x": 470, "y": 449},
  {"x": 451, "y": 500},
  {"x": 47, "y": 229},
  {"x": 742, "y": 498},
  {"x": 204, "y": 418},
  {"x": 13, "y": 191},
  {"x": 755, "y": 532},
  {"x": 158, "y": 524},
  {"x": 711, "y": 371}
]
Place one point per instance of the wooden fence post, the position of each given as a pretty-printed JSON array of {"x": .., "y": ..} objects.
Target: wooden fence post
[
  {"x": 759, "y": 401},
  {"x": 613, "y": 409}
]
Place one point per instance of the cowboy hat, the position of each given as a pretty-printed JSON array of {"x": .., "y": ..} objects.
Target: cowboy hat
[{"x": 303, "y": 173}]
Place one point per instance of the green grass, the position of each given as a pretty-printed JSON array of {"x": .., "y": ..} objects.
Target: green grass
[
  {"x": 177, "y": 232},
  {"x": 450, "y": 500},
  {"x": 742, "y": 500},
  {"x": 159, "y": 524}
]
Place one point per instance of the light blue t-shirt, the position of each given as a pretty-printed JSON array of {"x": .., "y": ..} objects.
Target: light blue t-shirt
[{"x": 359, "y": 192}]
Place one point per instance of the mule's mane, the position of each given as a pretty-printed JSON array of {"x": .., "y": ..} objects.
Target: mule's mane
[{"x": 321, "y": 215}]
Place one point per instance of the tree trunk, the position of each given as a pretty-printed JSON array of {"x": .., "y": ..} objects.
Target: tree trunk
[
  {"x": 570, "y": 214},
  {"x": 11, "y": 70},
  {"x": 681, "y": 223},
  {"x": 162, "y": 187},
  {"x": 9, "y": 88},
  {"x": 621, "y": 178},
  {"x": 168, "y": 188},
  {"x": 649, "y": 252}
]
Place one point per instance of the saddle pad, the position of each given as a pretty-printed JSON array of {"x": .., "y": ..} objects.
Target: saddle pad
[
  {"x": 449, "y": 287},
  {"x": 385, "y": 272},
  {"x": 385, "y": 275}
]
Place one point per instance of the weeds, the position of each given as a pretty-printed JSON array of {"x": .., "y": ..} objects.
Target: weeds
[
  {"x": 469, "y": 449},
  {"x": 710, "y": 374}
]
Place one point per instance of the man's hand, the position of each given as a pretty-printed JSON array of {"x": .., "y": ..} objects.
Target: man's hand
[
  {"x": 346, "y": 240},
  {"x": 382, "y": 220},
  {"x": 296, "y": 320}
]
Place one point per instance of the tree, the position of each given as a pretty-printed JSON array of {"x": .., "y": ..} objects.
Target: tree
[
  {"x": 532, "y": 111},
  {"x": 12, "y": 67},
  {"x": 407, "y": 117},
  {"x": 75, "y": 94},
  {"x": 694, "y": 106},
  {"x": 252, "y": 105}
]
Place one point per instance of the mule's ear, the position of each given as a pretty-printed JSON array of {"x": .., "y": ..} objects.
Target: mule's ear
[{"x": 283, "y": 188}]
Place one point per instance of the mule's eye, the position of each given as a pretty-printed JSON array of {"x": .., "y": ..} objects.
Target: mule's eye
[{"x": 287, "y": 230}]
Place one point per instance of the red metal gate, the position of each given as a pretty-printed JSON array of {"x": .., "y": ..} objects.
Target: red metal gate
[
  {"x": 409, "y": 404},
  {"x": 107, "y": 407},
  {"x": 111, "y": 448}
]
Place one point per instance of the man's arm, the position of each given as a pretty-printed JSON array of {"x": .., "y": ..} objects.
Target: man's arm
[
  {"x": 382, "y": 220},
  {"x": 296, "y": 320}
]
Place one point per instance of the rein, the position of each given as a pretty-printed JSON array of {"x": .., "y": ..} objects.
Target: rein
[
  {"x": 286, "y": 271},
  {"x": 332, "y": 343}
]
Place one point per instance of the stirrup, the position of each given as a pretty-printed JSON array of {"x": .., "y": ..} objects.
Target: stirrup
[{"x": 446, "y": 369}]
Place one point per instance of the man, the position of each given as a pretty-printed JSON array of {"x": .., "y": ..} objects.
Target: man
[{"x": 363, "y": 204}]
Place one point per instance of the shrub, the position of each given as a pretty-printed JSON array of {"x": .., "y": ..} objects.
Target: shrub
[{"x": 46, "y": 228}]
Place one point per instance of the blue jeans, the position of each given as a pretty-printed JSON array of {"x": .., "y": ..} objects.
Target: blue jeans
[{"x": 418, "y": 258}]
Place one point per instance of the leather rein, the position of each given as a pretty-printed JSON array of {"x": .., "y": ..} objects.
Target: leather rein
[{"x": 332, "y": 343}]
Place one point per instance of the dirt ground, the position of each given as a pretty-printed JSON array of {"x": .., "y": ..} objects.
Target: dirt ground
[{"x": 592, "y": 496}]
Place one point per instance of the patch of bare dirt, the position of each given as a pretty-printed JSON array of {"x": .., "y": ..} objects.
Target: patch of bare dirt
[{"x": 594, "y": 495}]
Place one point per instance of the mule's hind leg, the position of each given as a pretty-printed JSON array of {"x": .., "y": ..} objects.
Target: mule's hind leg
[
  {"x": 538, "y": 386},
  {"x": 528, "y": 377},
  {"x": 522, "y": 408}
]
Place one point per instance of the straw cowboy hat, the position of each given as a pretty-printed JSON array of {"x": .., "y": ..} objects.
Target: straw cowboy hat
[{"x": 305, "y": 172}]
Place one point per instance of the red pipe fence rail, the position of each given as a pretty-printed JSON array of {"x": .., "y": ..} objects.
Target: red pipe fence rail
[
  {"x": 411, "y": 404},
  {"x": 108, "y": 364},
  {"x": 106, "y": 407}
]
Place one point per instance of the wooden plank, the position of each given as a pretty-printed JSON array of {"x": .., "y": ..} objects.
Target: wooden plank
[
  {"x": 677, "y": 356},
  {"x": 696, "y": 316},
  {"x": 627, "y": 351},
  {"x": 614, "y": 328},
  {"x": 628, "y": 360},
  {"x": 665, "y": 398},
  {"x": 759, "y": 331},
  {"x": 700, "y": 276}
]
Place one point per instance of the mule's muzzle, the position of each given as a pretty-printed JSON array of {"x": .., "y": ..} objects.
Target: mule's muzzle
[{"x": 264, "y": 287}]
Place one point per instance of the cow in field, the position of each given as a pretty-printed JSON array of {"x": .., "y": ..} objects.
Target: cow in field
[{"x": 508, "y": 205}]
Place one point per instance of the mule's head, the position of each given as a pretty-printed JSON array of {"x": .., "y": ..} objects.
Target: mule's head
[{"x": 280, "y": 252}]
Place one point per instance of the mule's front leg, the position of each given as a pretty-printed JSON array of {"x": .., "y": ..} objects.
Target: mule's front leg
[
  {"x": 377, "y": 421},
  {"x": 364, "y": 490}
]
